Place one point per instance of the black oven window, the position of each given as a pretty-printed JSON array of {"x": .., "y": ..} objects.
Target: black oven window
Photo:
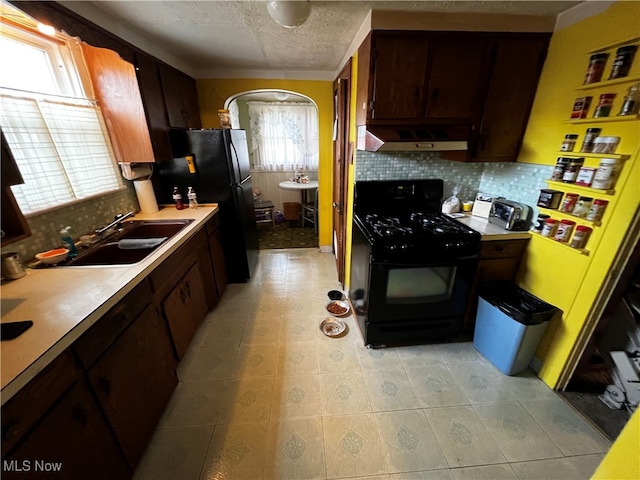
[{"x": 407, "y": 286}]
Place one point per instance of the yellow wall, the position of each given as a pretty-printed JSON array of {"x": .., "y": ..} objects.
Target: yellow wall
[
  {"x": 553, "y": 272},
  {"x": 212, "y": 94},
  {"x": 623, "y": 460}
]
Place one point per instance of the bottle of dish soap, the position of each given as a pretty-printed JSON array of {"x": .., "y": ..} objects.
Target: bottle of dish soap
[
  {"x": 68, "y": 242},
  {"x": 193, "y": 199}
]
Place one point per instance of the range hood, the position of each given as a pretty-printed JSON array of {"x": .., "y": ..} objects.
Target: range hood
[{"x": 413, "y": 138}]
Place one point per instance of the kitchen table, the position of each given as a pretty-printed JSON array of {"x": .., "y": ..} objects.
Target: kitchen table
[{"x": 303, "y": 187}]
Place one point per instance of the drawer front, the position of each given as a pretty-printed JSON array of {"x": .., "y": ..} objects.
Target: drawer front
[
  {"x": 503, "y": 248},
  {"x": 99, "y": 337},
  {"x": 24, "y": 409}
]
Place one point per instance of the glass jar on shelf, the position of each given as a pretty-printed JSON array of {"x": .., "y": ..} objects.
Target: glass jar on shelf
[{"x": 631, "y": 101}]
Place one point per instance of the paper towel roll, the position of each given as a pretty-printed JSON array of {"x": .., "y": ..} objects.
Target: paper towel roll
[{"x": 146, "y": 196}]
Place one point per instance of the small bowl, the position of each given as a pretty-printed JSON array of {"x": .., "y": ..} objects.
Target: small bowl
[
  {"x": 332, "y": 327},
  {"x": 51, "y": 257},
  {"x": 335, "y": 295},
  {"x": 340, "y": 309}
]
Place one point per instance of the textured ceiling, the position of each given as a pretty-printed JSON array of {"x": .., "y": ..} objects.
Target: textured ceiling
[{"x": 240, "y": 35}]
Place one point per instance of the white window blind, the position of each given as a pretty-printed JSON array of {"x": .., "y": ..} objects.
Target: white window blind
[
  {"x": 57, "y": 136},
  {"x": 60, "y": 149}
]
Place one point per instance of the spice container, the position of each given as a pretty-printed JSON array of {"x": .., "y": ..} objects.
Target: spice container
[
  {"x": 605, "y": 144},
  {"x": 631, "y": 101},
  {"x": 582, "y": 207},
  {"x": 585, "y": 176},
  {"x": 597, "y": 210},
  {"x": 571, "y": 173},
  {"x": 225, "y": 119},
  {"x": 561, "y": 165},
  {"x": 569, "y": 202},
  {"x": 622, "y": 61},
  {"x": 604, "y": 105},
  {"x": 581, "y": 236},
  {"x": 539, "y": 223},
  {"x": 589, "y": 137},
  {"x": 581, "y": 107},
  {"x": 549, "y": 228},
  {"x": 606, "y": 175},
  {"x": 595, "y": 68},
  {"x": 564, "y": 231},
  {"x": 549, "y": 198},
  {"x": 569, "y": 142}
]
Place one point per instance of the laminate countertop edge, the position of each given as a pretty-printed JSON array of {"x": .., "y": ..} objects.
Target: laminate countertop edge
[
  {"x": 64, "y": 302},
  {"x": 490, "y": 231}
]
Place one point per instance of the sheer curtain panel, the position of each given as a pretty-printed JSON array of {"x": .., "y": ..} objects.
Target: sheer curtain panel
[{"x": 284, "y": 135}]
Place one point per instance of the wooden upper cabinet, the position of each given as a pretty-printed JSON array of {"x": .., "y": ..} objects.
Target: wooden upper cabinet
[
  {"x": 417, "y": 76},
  {"x": 153, "y": 99},
  {"x": 399, "y": 72},
  {"x": 181, "y": 98},
  {"x": 116, "y": 88},
  {"x": 456, "y": 78},
  {"x": 513, "y": 82}
]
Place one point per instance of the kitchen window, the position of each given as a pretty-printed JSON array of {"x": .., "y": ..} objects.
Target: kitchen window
[
  {"x": 56, "y": 134},
  {"x": 284, "y": 135}
]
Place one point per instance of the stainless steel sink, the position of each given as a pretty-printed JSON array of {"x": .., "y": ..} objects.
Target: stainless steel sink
[{"x": 108, "y": 252}]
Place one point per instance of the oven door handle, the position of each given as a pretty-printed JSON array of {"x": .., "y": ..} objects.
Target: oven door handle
[{"x": 422, "y": 264}]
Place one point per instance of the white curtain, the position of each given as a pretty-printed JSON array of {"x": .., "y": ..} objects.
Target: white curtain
[{"x": 284, "y": 135}]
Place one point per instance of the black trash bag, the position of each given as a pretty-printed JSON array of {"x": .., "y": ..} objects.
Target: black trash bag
[{"x": 517, "y": 303}]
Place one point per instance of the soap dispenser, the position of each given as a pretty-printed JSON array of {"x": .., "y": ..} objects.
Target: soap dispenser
[{"x": 68, "y": 242}]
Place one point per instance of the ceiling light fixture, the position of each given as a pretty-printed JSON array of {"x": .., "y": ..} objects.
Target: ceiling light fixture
[{"x": 289, "y": 13}]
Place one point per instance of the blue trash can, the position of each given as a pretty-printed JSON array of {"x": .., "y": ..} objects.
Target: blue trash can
[{"x": 509, "y": 325}]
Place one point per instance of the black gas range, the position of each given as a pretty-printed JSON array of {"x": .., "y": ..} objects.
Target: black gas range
[{"x": 412, "y": 267}]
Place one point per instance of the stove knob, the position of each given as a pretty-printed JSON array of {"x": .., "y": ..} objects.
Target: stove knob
[
  {"x": 404, "y": 246},
  {"x": 392, "y": 248}
]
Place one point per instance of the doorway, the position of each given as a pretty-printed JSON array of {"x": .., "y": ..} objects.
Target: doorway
[
  {"x": 604, "y": 385},
  {"x": 282, "y": 136},
  {"x": 342, "y": 158}
]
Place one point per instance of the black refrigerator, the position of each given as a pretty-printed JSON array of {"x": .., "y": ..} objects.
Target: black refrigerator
[{"x": 221, "y": 175}]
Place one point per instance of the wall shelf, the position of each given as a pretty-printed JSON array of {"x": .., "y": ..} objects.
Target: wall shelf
[
  {"x": 617, "y": 156},
  {"x": 629, "y": 41},
  {"x": 579, "y": 251},
  {"x": 578, "y": 188},
  {"x": 609, "y": 83},
  {"x": 617, "y": 118},
  {"x": 568, "y": 216}
]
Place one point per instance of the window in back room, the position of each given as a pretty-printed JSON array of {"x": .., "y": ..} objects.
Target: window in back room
[{"x": 55, "y": 131}]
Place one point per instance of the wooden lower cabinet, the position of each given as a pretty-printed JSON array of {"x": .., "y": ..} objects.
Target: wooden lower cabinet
[
  {"x": 72, "y": 442},
  {"x": 217, "y": 254},
  {"x": 134, "y": 381},
  {"x": 499, "y": 260},
  {"x": 94, "y": 408},
  {"x": 185, "y": 308}
]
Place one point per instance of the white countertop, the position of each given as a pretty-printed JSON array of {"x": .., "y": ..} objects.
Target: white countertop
[
  {"x": 64, "y": 302},
  {"x": 490, "y": 231}
]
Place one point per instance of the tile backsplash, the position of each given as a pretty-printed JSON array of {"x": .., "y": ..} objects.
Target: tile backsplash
[
  {"x": 83, "y": 217},
  {"x": 516, "y": 181}
]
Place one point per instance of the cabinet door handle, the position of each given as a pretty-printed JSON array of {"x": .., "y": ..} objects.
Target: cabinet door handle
[
  {"x": 81, "y": 414},
  {"x": 105, "y": 386},
  {"x": 188, "y": 288},
  {"x": 183, "y": 295},
  {"x": 11, "y": 432},
  {"x": 434, "y": 96}
]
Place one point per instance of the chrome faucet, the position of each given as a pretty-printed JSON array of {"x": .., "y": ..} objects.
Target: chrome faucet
[{"x": 116, "y": 223}]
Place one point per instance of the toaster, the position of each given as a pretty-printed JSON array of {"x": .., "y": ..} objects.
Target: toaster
[{"x": 511, "y": 215}]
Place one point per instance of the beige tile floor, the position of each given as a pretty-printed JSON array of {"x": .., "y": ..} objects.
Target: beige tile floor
[{"x": 263, "y": 394}]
